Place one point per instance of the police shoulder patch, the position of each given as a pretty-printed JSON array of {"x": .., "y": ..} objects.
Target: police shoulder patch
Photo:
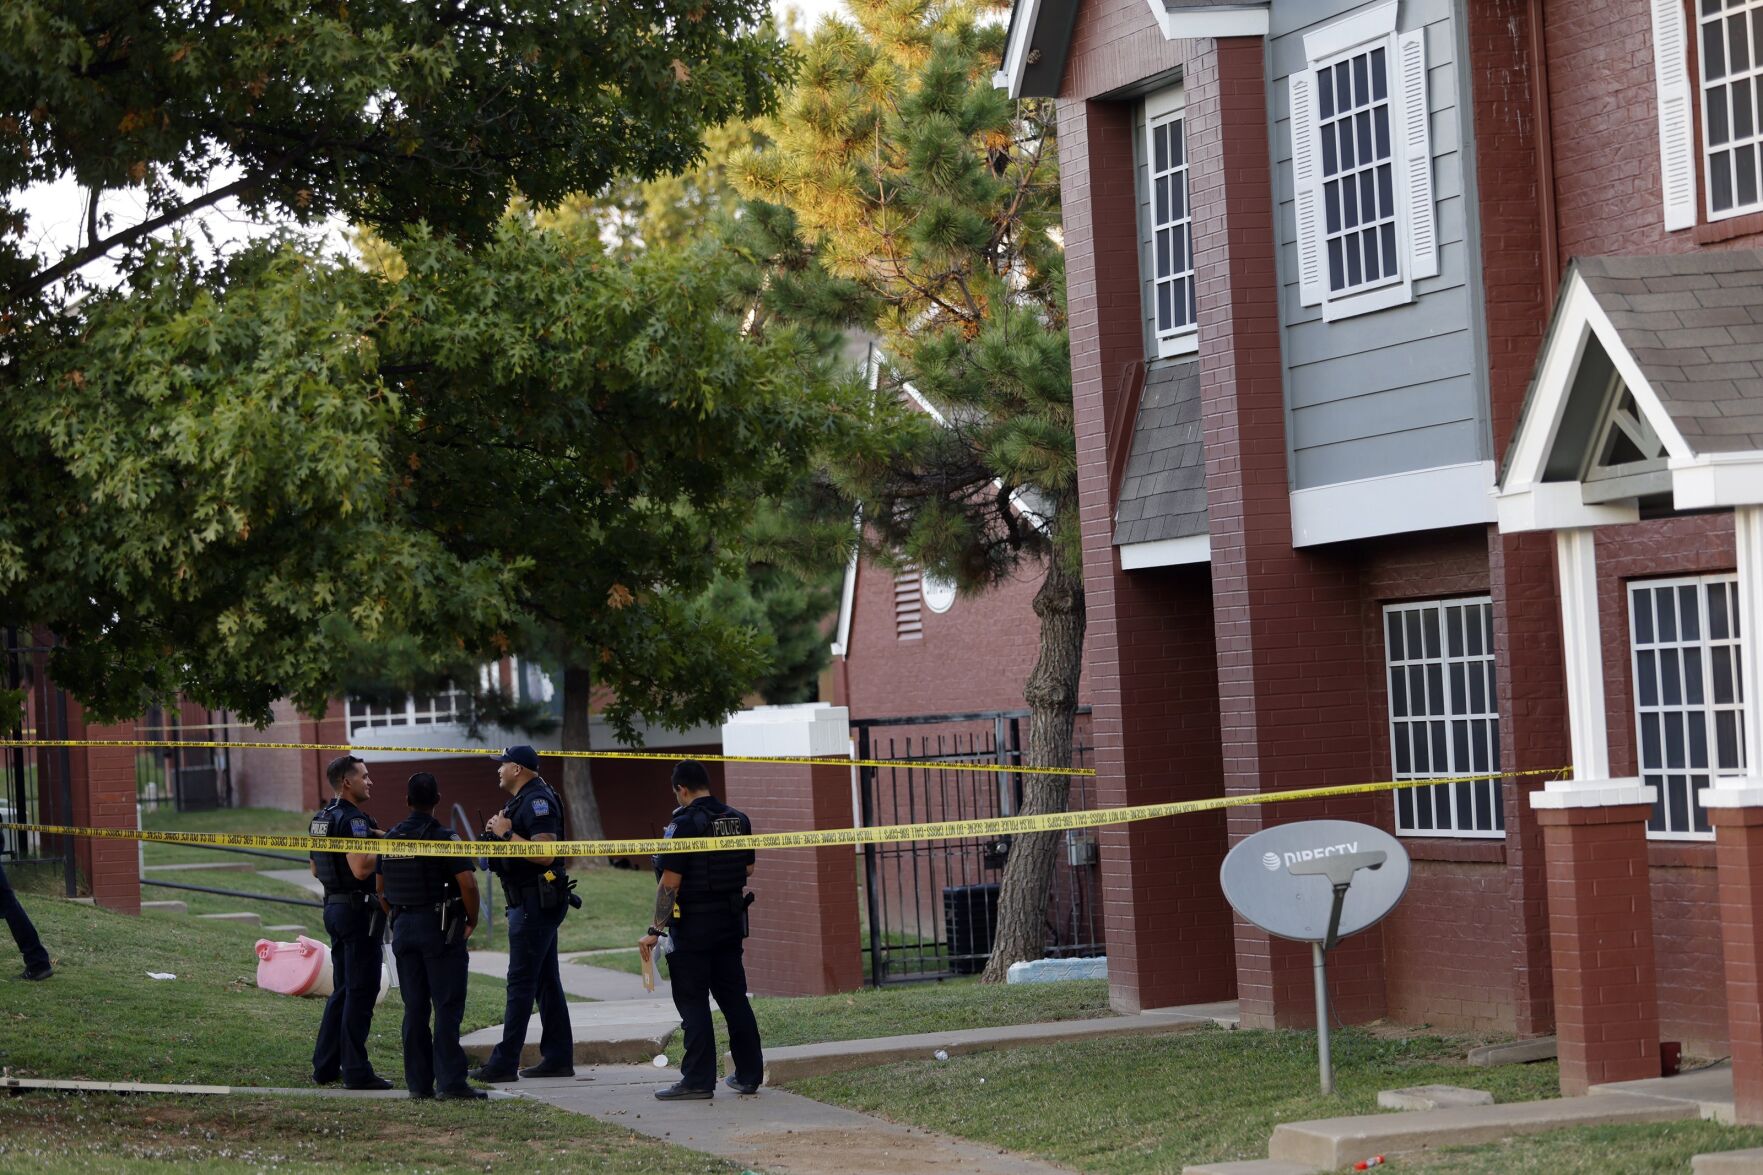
[
  {"x": 358, "y": 826},
  {"x": 541, "y": 807},
  {"x": 667, "y": 833}
]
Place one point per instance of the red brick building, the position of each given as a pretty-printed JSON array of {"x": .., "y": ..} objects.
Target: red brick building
[{"x": 1432, "y": 320}]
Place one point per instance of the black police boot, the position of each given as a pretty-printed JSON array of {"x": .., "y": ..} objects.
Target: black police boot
[
  {"x": 547, "y": 1069},
  {"x": 464, "y": 1093},
  {"x": 679, "y": 1091},
  {"x": 374, "y": 1082},
  {"x": 37, "y": 973},
  {"x": 491, "y": 1076},
  {"x": 739, "y": 1086}
]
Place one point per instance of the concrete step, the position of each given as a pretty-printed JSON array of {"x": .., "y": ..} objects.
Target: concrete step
[
  {"x": 1709, "y": 1090},
  {"x": 841, "y": 1056},
  {"x": 1432, "y": 1097},
  {"x": 203, "y": 867},
  {"x": 243, "y": 917},
  {"x": 284, "y": 930},
  {"x": 1251, "y": 1167},
  {"x": 613, "y": 1032},
  {"x": 166, "y": 907},
  {"x": 1514, "y": 1052},
  {"x": 1746, "y": 1162},
  {"x": 1330, "y": 1143}
]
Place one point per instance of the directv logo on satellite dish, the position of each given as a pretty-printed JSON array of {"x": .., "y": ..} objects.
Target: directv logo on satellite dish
[{"x": 1311, "y": 854}]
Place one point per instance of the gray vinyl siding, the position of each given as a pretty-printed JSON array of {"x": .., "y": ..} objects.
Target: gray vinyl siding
[{"x": 1394, "y": 390}]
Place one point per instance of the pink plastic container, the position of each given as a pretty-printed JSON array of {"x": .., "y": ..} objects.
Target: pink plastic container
[{"x": 294, "y": 968}]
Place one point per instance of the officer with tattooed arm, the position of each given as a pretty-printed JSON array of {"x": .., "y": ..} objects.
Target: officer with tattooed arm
[{"x": 701, "y": 905}]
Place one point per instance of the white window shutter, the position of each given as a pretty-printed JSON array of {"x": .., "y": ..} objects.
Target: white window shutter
[
  {"x": 1416, "y": 139},
  {"x": 1677, "y": 146},
  {"x": 1305, "y": 197}
]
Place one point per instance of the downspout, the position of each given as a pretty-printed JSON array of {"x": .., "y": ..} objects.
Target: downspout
[{"x": 1541, "y": 118}]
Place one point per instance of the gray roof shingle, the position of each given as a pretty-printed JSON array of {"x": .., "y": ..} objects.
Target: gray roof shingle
[
  {"x": 1694, "y": 323},
  {"x": 1163, "y": 491}
]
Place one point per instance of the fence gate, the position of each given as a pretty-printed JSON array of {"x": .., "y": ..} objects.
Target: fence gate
[
  {"x": 930, "y": 906},
  {"x": 189, "y": 779}
]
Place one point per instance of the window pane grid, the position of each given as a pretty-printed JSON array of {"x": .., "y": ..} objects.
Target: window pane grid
[
  {"x": 1358, "y": 171},
  {"x": 1730, "y": 46},
  {"x": 1689, "y": 708},
  {"x": 1444, "y": 716},
  {"x": 1172, "y": 247},
  {"x": 450, "y": 706}
]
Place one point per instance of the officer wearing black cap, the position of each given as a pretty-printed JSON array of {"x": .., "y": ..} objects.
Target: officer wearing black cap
[
  {"x": 701, "y": 904},
  {"x": 434, "y": 910},
  {"x": 354, "y": 918},
  {"x": 538, "y": 894}
]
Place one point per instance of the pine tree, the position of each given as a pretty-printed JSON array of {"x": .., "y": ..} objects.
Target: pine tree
[{"x": 924, "y": 187}]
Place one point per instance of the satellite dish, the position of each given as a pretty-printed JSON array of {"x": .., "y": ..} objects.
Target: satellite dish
[
  {"x": 1316, "y": 881},
  {"x": 1282, "y": 878}
]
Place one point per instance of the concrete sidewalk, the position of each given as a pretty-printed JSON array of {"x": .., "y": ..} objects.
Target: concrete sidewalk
[
  {"x": 774, "y": 1131},
  {"x": 594, "y": 983}
]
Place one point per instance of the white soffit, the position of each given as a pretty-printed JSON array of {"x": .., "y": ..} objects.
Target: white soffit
[
  {"x": 1221, "y": 20},
  {"x": 1195, "y": 548},
  {"x": 1425, "y": 499},
  {"x": 1022, "y": 35}
]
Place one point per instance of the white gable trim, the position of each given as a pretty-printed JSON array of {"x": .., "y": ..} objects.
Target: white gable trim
[
  {"x": 1424, "y": 499},
  {"x": 1717, "y": 479},
  {"x": 1195, "y": 548},
  {"x": 1525, "y": 502},
  {"x": 1216, "y": 21},
  {"x": 1022, "y": 35},
  {"x": 847, "y": 598}
]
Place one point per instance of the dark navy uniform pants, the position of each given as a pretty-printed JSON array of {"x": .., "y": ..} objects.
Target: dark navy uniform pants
[
  {"x": 24, "y": 931},
  {"x": 356, "y": 959},
  {"x": 696, "y": 977},
  {"x": 431, "y": 973},
  {"x": 533, "y": 977}
]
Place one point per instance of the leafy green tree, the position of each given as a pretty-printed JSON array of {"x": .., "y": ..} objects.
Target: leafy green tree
[
  {"x": 919, "y": 183},
  {"x": 210, "y": 468}
]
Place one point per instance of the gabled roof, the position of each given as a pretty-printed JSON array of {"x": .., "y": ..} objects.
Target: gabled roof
[
  {"x": 1694, "y": 324},
  {"x": 1163, "y": 491},
  {"x": 1039, "y": 37},
  {"x": 1666, "y": 351}
]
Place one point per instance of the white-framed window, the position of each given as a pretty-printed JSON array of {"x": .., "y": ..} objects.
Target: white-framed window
[
  {"x": 1362, "y": 165},
  {"x": 450, "y": 706},
  {"x": 1730, "y": 52},
  {"x": 1688, "y": 700},
  {"x": 1168, "y": 227},
  {"x": 1444, "y": 716}
]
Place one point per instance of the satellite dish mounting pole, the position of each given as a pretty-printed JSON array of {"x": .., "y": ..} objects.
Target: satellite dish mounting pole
[{"x": 1339, "y": 870}]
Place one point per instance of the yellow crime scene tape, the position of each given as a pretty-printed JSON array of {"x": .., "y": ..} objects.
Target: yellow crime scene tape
[
  {"x": 649, "y": 756},
  {"x": 816, "y": 838}
]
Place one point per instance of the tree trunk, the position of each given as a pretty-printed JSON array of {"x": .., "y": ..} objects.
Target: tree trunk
[
  {"x": 1052, "y": 701},
  {"x": 578, "y": 775}
]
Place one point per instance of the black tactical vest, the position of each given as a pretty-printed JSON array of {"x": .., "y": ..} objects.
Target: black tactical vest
[
  {"x": 713, "y": 875},
  {"x": 333, "y": 868},
  {"x": 418, "y": 881}
]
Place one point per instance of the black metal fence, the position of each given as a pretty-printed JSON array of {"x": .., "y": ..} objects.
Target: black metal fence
[
  {"x": 36, "y": 783},
  {"x": 187, "y": 779},
  {"x": 931, "y": 906}
]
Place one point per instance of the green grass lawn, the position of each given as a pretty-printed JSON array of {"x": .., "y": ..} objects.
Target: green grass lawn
[
  {"x": 952, "y": 1005},
  {"x": 106, "y": 1133},
  {"x": 616, "y": 907},
  {"x": 1593, "y": 1150},
  {"x": 101, "y": 1018},
  {"x": 1154, "y": 1104},
  {"x": 627, "y": 961},
  {"x": 259, "y": 820}
]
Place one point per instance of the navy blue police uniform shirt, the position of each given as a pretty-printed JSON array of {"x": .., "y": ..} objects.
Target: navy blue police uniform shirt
[
  {"x": 695, "y": 820},
  {"x": 534, "y": 812}
]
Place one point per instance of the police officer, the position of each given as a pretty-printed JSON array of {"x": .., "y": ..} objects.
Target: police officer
[
  {"x": 702, "y": 905},
  {"x": 434, "y": 906},
  {"x": 354, "y": 919},
  {"x": 538, "y": 894}
]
